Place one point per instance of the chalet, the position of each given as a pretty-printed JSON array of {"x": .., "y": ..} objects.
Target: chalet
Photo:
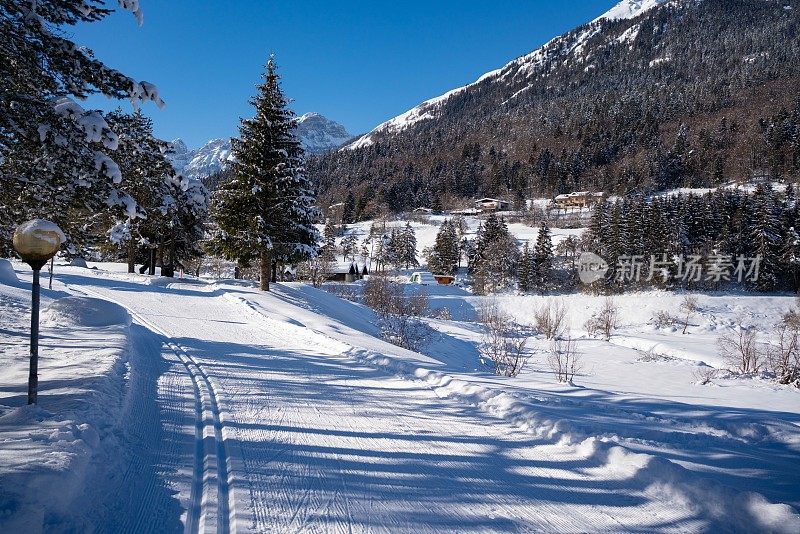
[
  {"x": 578, "y": 199},
  {"x": 492, "y": 204},
  {"x": 347, "y": 272},
  {"x": 422, "y": 211}
]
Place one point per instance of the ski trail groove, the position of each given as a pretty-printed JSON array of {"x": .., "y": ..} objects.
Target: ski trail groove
[{"x": 211, "y": 503}]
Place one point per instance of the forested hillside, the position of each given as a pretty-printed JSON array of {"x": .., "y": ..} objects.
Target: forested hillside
[{"x": 689, "y": 94}]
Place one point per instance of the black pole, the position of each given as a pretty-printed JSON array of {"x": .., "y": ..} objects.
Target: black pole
[{"x": 33, "y": 376}]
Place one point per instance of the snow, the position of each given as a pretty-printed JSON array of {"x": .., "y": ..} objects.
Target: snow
[
  {"x": 7, "y": 274},
  {"x": 224, "y": 408},
  {"x": 630, "y": 9},
  {"x": 84, "y": 311}
]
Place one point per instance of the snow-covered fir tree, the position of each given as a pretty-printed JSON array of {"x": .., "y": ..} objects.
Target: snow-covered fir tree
[
  {"x": 55, "y": 157},
  {"x": 542, "y": 260},
  {"x": 146, "y": 198},
  {"x": 445, "y": 254},
  {"x": 408, "y": 248},
  {"x": 266, "y": 212}
]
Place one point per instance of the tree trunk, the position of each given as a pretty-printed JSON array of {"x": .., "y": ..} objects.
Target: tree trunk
[
  {"x": 131, "y": 255},
  {"x": 275, "y": 271},
  {"x": 264, "y": 269}
]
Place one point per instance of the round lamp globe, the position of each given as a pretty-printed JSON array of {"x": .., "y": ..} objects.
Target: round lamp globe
[{"x": 37, "y": 240}]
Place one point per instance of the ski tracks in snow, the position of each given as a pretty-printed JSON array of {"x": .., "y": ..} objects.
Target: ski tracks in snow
[
  {"x": 211, "y": 505},
  {"x": 295, "y": 433}
]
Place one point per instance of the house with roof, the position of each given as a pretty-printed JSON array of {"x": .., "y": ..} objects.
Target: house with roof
[
  {"x": 578, "y": 199},
  {"x": 491, "y": 204}
]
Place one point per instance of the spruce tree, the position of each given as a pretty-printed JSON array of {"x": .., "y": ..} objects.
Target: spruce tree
[
  {"x": 445, "y": 254},
  {"x": 146, "y": 192},
  {"x": 524, "y": 269},
  {"x": 265, "y": 213},
  {"x": 543, "y": 258},
  {"x": 765, "y": 237},
  {"x": 409, "y": 252}
]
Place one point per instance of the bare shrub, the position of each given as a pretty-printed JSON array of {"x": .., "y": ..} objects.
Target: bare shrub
[
  {"x": 663, "y": 319},
  {"x": 343, "y": 291},
  {"x": 783, "y": 357},
  {"x": 418, "y": 303},
  {"x": 405, "y": 331},
  {"x": 550, "y": 319},
  {"x": 490, "y": 314},
  {"x": 503, "y": 344},
  {"x": 443, "y": 314},
  {"x": 604, "y": 321},
  {"x": 740, "y": 350},
  {"x": 399, "y": 316},
  {"x": 689, "y": 307},
  {"x": 381, "y": 295},
  {"x": 564, "y": 359},
  {"x": 704, "y": 375}
]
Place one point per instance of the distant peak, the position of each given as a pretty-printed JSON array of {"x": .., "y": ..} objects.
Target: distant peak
[{"x": 630, "y": 9}]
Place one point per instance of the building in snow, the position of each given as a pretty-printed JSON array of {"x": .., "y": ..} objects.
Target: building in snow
[
  {"x": 578, "y": 199},
  {"x": 492, "y": 204},
  {"x": 347, "y": 271}
]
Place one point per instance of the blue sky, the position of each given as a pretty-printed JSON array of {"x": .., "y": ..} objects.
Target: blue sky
[{"x": 358, "y": 63}]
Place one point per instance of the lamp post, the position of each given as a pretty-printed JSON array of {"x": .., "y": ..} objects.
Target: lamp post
[{"x": 36, "y": 242}]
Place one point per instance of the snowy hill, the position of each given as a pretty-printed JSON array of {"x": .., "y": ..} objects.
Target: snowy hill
[
  {"x": 626, "y": 9},
  {"x": 317, "y": 134},
  {"x": 592, "y": 109}
]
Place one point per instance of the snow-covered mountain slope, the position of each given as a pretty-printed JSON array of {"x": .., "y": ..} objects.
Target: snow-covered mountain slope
[
  {"x": 572, "y": 43},
  {"x": 629, "y": 9},
  {"x": 317, "y": 134}
]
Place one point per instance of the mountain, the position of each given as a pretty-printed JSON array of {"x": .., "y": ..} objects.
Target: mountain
[
  {"x": 317, "y": 134},
  {"x": 651, "y": 95}
]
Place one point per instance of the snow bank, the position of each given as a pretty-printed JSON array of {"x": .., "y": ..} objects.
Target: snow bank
[
  {"x": 720, "y": 506},
  {"x": 78, "y": 262},
  {"x": 54, "y": 456},
  {"x": 84, "y": 311},
  {"x": 7, "y": 274},
  {"x": 724, "y": 507}
]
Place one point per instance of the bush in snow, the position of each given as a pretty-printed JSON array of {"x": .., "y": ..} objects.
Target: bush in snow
[
  {"x": 740, "y": 350},
  {"x": 604, "y": 321},
  {"x": 343, "y": 291},
  {"x": 704, "y": 375},
  {"x": 564, "y": 359},
  {"x": 688, "y": 307},
  {"x": 503, "y": 343},
  {"x": 663, "y": 319},
  {"x": 399, "y": 316},
  {"x": 784, "y": 356},
  {"x": 550, "y": 319}
]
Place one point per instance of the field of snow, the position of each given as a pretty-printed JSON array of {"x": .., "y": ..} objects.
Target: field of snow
[{"x": 197, "y": 405}]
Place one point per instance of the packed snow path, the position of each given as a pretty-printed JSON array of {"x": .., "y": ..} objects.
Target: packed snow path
[{"x": 292, "y": 434}]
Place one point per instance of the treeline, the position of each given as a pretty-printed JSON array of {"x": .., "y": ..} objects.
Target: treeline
[
  {"x": 728, "y": 238},
  {"x": 696, "y": 103}
]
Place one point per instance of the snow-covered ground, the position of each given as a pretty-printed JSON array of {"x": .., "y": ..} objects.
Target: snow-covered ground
[{"x": 223, "y": 408}]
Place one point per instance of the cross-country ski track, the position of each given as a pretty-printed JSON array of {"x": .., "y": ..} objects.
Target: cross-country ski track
[{"x": 298, "y": 430}]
